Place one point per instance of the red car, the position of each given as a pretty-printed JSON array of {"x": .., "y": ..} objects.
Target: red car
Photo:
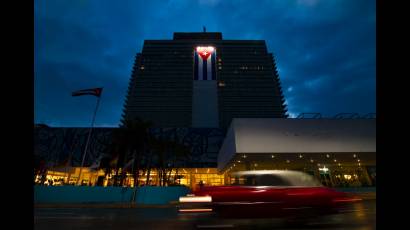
[{"x": 267, "y": 194}]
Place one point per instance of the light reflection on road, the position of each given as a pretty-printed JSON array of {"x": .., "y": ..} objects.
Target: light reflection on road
[{"x": 363, "y": 218}]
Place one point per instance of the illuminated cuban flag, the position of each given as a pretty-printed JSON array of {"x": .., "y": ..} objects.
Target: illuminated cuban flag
[{"x": 204, "y": 63}]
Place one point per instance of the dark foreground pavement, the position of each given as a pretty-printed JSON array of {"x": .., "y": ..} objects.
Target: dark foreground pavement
[{"x": 363, "y": 217}]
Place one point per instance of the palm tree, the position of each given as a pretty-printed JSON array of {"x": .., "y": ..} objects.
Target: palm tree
[
  {"x": 129, "y": 144},
  {"x": 116, "y": 151},
  {"x": 138, "y": 137},
  {"x": 169, "y": 153},
  {"x": 160, "y": 150},
  {"x": 182, "y": 153},
  {"x": 154, "y": 145}
]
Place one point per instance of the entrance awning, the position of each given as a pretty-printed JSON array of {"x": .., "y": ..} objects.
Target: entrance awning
[{"x": 263, "y": 136}]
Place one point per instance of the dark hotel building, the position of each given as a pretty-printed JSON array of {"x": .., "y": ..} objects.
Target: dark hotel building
[
  {"x": 223, "y": 100},
  {"x": 175, "y": 84}
]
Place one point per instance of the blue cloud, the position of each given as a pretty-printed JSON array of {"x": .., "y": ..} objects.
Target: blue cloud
[{"x": 325, "y": 50}]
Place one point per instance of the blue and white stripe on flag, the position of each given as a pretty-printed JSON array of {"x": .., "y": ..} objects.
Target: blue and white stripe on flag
[{"x": 204, "y": 63}]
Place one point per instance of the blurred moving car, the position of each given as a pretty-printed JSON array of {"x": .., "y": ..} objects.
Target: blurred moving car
[{"x": 267, "y": 194}]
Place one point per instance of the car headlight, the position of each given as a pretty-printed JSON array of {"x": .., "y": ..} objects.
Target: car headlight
[
  {"x": 196, "y": 204},
  {"x": 195, "y": 199}
]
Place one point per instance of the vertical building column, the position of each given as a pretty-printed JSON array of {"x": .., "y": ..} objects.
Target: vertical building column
[{"x": 205, "y": 105}]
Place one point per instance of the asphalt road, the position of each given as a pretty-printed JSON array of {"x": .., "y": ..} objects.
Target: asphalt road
[{"x": 363, "y": 217}]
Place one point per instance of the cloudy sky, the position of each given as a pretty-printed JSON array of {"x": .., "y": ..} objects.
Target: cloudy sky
[{"x": 324, "y": 49}]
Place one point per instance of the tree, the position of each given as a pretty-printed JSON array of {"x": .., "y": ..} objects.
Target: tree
[
  {"x": 182, "y": 153},
  {"x": 169, "y": 153},
  {"x": 128, "y": 145}
]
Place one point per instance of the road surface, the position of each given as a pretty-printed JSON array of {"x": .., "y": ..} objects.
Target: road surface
[{"x": 363, "y": 217}]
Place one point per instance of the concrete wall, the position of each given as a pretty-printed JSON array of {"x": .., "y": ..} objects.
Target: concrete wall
[
  {"x": 228, "y": 149},
  {"x": 160, "y": 195},
  {"x": 76, "y": 194}
]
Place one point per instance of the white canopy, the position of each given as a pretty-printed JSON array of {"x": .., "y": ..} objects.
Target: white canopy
[{"x": 282, "y": 135}]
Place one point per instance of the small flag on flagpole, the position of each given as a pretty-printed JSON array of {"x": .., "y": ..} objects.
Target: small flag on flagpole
[{"x": 95, "y": 92}]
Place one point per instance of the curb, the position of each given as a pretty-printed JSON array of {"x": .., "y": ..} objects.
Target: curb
[
  {"x": 366, "y": 195},
  {"x": 98, "y": 205}
]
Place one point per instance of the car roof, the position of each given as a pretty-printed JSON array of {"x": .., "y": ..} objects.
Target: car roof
[
  {"x": 268, "y": 172},
  {"x": 296, "y": 178}
]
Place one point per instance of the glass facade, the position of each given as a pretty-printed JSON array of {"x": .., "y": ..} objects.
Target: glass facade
[{"x": 190, "y": 177}]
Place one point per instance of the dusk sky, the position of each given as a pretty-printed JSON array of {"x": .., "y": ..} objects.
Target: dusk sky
[{"x": 325, "y": 50}]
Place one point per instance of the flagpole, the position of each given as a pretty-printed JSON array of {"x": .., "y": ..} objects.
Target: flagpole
[{"x": 88, "y": 140}]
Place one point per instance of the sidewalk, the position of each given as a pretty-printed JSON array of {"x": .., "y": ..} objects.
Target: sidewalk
[
  {"x": 366, "y": 195},
  {"x": 100, "y": 205}
]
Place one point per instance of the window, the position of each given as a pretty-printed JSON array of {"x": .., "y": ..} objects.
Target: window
[
  {"x": 260, "y": 180},
  {"x": 245, "y": 180},
  {"x": 221, "y": 84},
  {"x": 304, "y": 180},
  {"x": 271, "y": 180}
]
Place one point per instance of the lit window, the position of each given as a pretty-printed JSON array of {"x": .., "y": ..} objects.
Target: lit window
[{"x": 142, "y": 67}]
